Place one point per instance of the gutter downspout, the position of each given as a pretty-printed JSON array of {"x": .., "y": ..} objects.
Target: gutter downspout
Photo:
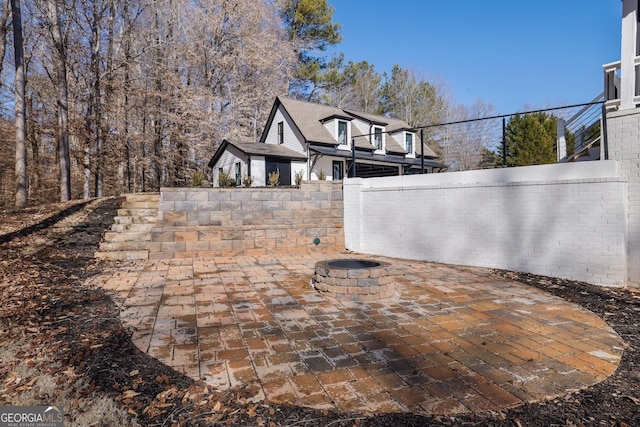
[
  {"x": 249, "y": 166},
  {"x": 308, "y": 164}
]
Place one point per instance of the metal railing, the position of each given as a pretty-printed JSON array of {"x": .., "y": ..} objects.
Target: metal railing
[
  {"x": 582, "y": 132},
  {"x": 612, "y": 84}
]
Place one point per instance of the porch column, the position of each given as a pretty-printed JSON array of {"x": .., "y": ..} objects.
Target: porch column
[{"x": 628, "y": 53}]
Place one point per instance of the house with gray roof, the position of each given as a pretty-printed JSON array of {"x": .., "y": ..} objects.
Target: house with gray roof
[{"x": 315, "y": 140}]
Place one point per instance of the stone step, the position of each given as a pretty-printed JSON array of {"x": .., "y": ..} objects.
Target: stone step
[
  {"x": 125, "y": 246},
  {"x": 123, "y": 220},
  {"x": 143, "y": 197},
  {"x": 137, "y": 212},
  {"x": 127, "y": 236},
  {"x": 133, "y": 227},
  {"x": 140, "y": 205},
  {"x": 122, "y": 255}
]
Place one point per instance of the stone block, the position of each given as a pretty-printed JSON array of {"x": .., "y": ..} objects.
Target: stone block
[
  {"x": 198, "y": 217},
  {"x": 272, "y": 204},
  {"x": 385, "y": 280},
  {"x": 221, "y": 246},
  {"x": 338, "y": 272},
  {"x": 241, "y": 195},
  {"x": 261, "y": 194},
  {"x": 251, "y": 205},
  {"x": 230, "y": 205},
  {"x": 209, "y": 206},
  {"x": 196, "y": 246},
  {"x": 166, "y": 206},
  {"x": 359, "y": 273},
  {"x": 173, "y": 246},
  {"x": 197, "y": 196},
  {"x": 174, "y": 195},
  {"x": 275, "y": 233},
  {"x": 316, "y": 232},
  {"x": 173, "y": 216},
  {"x": 242, "y": 215},
  {"x": 209, "y": 235},
  {"x": 185, "y": 236},
  {"x": 258, "y": 233},
  {"x": 162, "y": 236},
  {"x": 186, "y": 206},
  {"x": 219, "y": 195},
  {"x": 295, "y": 233},
  {"x": 232, "y": 234},
  {"x": 300, "y": 196}
]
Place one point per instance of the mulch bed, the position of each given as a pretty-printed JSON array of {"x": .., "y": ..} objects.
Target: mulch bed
[{"x": 46, "y": 258}]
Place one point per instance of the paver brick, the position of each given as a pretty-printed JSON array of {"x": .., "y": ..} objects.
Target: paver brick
[{"x": 440, "y": 345}]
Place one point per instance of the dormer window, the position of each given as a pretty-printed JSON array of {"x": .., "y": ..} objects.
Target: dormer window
[
  {"x": 408, "y": 142},
  {"x": 342, "y": 133},
  {"x": 377, "y": 138}
]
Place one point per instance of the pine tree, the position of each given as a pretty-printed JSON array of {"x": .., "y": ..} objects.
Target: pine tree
[
  {"x": 310, "y": 28},
  {"x": 530, "y": 139}
]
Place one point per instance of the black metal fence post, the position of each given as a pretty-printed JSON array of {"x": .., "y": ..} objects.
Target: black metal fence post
[
  {"x": 504, "y": 143},
  {"x": 421, "y": 150}
]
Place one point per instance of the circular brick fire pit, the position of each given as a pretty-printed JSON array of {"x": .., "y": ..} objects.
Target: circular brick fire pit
[{"x": 354, "y": 279}]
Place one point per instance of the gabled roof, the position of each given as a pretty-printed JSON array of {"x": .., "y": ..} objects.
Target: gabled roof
[
  {"x": 308, "y": 118},
  {"x": 257, "y": 149}
]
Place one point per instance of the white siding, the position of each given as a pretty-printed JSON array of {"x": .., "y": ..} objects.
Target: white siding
[
  {"x": 366, "y": 129},
  {"x": 227, "y": 162},
  {"x": 298, "y": 167},
  {"x": 326, "y": 165},
  {"x": 258, "y": 171},
  {"x": 292, "y": 138}
]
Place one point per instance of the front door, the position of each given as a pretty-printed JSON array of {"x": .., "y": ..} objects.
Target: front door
[{"x": 274, "y": 165}]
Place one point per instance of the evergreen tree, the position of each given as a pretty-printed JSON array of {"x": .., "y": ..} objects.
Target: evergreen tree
[
  {"x": 530, "y": 139},
  {"x": 310, "y": 28}
]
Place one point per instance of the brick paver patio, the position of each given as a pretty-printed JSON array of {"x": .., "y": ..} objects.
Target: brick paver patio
[{"x": 450, "y": 340}]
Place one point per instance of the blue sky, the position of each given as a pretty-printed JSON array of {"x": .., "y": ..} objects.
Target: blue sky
[{"x": 516, "y": 54}]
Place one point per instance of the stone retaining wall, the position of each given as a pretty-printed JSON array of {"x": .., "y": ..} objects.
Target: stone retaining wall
[{"x": 199, "y": 222}]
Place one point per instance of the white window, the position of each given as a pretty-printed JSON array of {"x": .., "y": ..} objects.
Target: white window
[
  {"x": 408, "y": 142},
  {"x": 377, "y": 138},
  {"x": 342, "y": 133}
]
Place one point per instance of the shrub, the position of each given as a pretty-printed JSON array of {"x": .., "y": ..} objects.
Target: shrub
[
  {"x": 197, "y": 179},
  {"x": 225, "y": 180},
  {"x": 247, "y": 180},
  {"x": 322, "y": 175},
  {"x": 298, "y": 178},
  {"x": 274, "y": 178}
]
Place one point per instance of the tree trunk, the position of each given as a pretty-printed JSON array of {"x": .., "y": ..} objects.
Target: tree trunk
[
  {"x": 60, "y": 60},
  {"x": 21, "y": 125},
  {"x": 4, "y": 29}
]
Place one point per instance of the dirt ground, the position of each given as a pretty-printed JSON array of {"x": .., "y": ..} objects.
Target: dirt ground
[{"x": 63, "y": 343}]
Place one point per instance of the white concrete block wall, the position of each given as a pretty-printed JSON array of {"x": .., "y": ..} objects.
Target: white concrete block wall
[
  {"x": 523, "y": 220},
  {"x": 623, "y": 130}
]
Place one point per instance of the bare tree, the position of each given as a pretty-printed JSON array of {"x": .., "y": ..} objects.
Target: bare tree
[
  {"x": 21, "y": 124},
  {"x": 59, "y": 44},
  {"x": 465, "y": 145},
  {"x": 4, "y": 30}
]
